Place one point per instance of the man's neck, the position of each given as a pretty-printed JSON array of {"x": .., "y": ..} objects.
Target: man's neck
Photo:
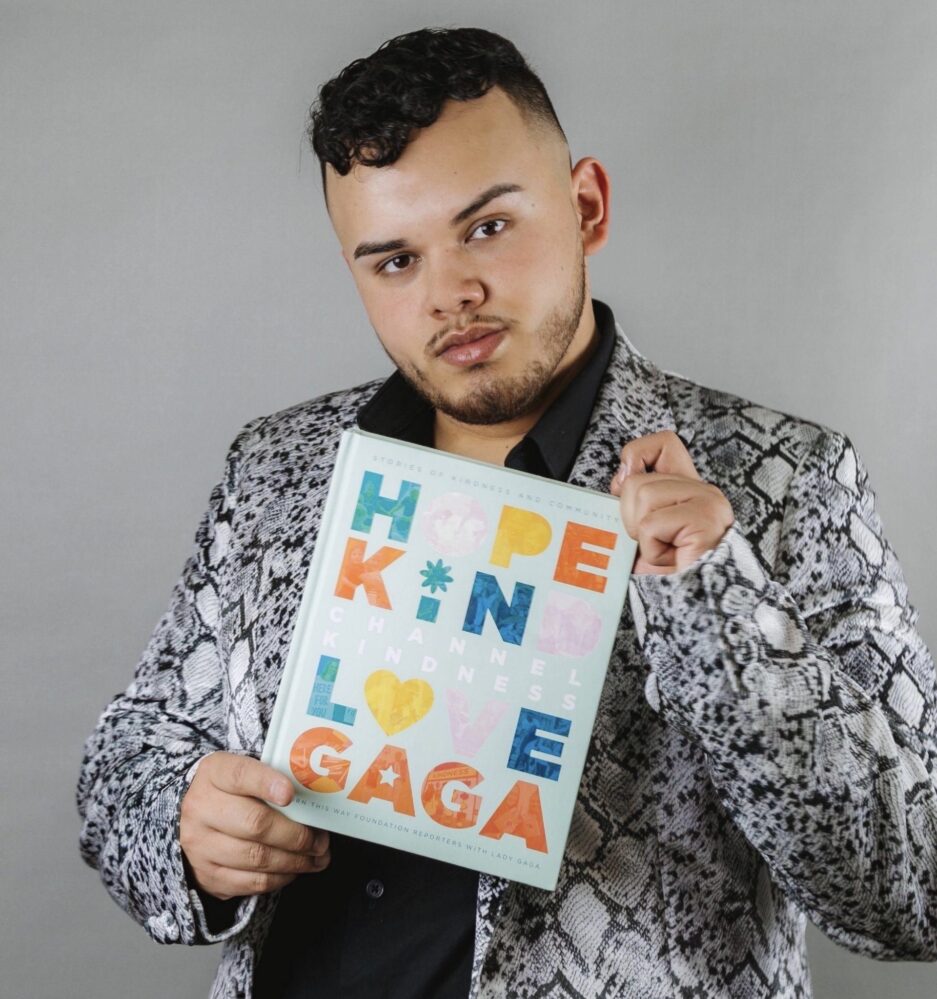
[{"x": 493, "y": 442}]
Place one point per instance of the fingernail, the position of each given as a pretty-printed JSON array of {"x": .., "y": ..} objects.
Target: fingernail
[
  {"x": 279, "y": 792},
  {"x": 320, "y": 842},
  {"x": 621, "y": 474}
]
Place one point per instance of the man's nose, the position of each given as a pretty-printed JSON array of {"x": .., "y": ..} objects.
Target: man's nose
[{"x": 454, "y": 285}]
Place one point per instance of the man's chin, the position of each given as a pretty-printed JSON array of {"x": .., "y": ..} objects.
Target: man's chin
[
  {"x": 484, "y": 398},
  {"x": 481, "y": 408}
]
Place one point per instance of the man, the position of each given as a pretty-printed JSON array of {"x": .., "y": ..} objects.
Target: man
[{"x": 765, "y": 742}]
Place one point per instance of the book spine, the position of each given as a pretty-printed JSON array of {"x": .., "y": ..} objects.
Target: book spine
[{"x": 339, "y": 485}]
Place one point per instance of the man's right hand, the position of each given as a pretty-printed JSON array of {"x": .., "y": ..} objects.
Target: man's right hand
[{"x": 234, "y": 842}]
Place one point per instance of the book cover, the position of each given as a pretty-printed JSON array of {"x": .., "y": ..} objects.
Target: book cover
[{"x": 448, "y": 655}]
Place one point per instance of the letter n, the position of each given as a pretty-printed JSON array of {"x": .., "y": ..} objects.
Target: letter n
[{"x": 510, "y": 618}]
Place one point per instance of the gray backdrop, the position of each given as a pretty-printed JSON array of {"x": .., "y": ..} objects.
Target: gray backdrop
[{"x": 169, "y": 273}]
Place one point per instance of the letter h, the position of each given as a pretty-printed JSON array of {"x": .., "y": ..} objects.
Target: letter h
[{"x": 400, "y": 508}]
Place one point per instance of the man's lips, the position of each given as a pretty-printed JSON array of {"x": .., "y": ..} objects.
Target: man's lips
[
  {"x": 473, "y": 351},
  {"x": 466, "y": 336}
]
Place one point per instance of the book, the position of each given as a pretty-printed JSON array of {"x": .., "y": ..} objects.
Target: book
[{"x": 448, "y": 655}]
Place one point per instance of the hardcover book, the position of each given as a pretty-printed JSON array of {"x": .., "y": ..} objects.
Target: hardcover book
[{"x": 448, "y": 655}]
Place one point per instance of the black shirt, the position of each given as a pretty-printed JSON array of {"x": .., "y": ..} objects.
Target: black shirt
[{"x": 380, "y": 923}]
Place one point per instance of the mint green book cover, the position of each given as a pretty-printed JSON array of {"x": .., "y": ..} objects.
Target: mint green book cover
[{"x": 448, "y": 655}]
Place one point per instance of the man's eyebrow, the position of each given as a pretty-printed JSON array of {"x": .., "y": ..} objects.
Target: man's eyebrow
[{"x": 495, "y": 191}]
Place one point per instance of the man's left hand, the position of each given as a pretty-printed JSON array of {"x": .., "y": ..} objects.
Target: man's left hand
[{"x": 665, "y": 506}]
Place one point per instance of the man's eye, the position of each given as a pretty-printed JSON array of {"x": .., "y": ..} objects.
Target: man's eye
[
  {"x": 488, "y": 224},
  {"x": 400, "y": 263},
  {"x": 387, "y": 269}
]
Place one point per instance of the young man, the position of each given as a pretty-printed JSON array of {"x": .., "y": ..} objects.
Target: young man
[{"x": 766, "y": 738}]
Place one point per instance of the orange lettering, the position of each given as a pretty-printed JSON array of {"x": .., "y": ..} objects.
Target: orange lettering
[
  {"x": 337, "y": 769},
  {"x": 465, "y": 814},
  {"x": 572, "y": 554},
  {"x": 519, "y": 814},
  {"x": 387, "y": 778},
  {"x": 356, "y": 571}
]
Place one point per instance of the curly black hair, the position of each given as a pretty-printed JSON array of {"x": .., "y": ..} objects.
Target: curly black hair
[{"x": 369, "y": 111}]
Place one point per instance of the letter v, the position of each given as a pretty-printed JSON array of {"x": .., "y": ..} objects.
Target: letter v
[{"x": 467, "y": 736}]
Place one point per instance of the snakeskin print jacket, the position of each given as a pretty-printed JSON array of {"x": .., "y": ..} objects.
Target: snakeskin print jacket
[{"x": 764, "y": 750}]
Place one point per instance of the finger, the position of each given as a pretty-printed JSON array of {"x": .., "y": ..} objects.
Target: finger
[
  {"x": 247, "y": 855},
  {"x": 238, "y": 774},
  {"x": 247, "y": 818},
  {"x": 665, "y": 568},
  {"x": 661, "y": 452},
  {"x": 225, "y": 882},
  {"x": 667, "y": 531},
  {"x": 642, "y": 493}
]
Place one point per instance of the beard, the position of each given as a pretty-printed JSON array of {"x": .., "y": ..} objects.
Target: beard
[{"x": 495, "y": 399}]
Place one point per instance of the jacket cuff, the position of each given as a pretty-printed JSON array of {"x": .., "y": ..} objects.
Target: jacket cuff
[
  {"x": 181, "y": 917},
  {"x": 716, "y": 614},
  {"x": 160, "y": 888},
  {"x": 214, "y": 920}
]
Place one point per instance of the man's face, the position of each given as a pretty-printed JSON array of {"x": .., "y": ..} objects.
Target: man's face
[{"x": 427, "y": 264}]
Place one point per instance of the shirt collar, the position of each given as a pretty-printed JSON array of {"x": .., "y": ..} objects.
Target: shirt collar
[{"x": 397, "y": 410}]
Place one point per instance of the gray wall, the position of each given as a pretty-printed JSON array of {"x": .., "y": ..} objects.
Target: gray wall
[{"x": 168, "y": 272}]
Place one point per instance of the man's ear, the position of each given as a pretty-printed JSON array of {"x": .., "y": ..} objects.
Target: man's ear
[{"x": 591, "y": 192}]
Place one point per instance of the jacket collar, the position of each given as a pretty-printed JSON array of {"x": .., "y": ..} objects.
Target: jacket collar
[{"x": 632, "y": 402}]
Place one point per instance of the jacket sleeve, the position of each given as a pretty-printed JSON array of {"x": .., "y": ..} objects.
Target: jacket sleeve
[
  {"x": 813, "y": 697},
  {"x": 148, "y": 741}
]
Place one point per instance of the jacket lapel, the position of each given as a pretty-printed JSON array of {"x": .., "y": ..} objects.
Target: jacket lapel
[{"x": 632, "y": 402}]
